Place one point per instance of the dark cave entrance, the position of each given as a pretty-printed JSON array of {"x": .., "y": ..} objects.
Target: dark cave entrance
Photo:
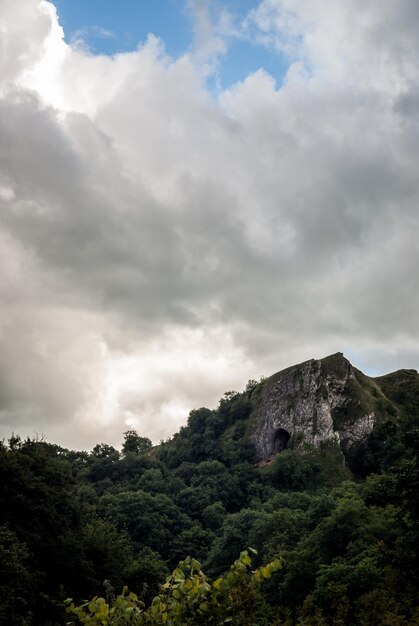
[{"x": 281, "y": 439}]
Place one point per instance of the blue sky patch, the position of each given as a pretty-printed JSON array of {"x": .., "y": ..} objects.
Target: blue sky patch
[{"x": 107, "y": 27}]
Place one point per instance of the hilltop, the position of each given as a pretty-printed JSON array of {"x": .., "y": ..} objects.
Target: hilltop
[{"x": 305, "y": 405}]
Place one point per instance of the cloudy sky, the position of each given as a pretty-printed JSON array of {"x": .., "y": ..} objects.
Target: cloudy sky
[{"x": 197, "y": 193}]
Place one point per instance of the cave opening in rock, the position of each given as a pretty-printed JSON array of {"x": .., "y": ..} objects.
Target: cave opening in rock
[{"x": 281, "y": 439}]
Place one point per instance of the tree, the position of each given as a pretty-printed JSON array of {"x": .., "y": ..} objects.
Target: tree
[
  {"x": 135, "y": 444},
  {"x": 15, "y": 578}
]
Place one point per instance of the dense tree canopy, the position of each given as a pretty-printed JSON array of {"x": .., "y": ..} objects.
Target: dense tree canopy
[{"x": 77, "y": 524}]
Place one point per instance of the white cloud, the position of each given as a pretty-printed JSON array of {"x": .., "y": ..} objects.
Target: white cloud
[
  {"x": 159, "y": 247},
  {"x": 374, "y": 47}
]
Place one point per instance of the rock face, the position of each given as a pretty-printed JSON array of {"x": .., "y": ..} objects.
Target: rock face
[{"x": 319, "y": 399}]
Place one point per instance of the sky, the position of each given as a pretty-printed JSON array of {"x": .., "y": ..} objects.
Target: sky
[
  {"x": 195, "y": 193},
  {"x": 105, "y": 27}
]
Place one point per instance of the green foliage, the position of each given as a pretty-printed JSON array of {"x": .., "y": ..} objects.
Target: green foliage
[
  {"x": 292, "y": 470},
  {"x": 189, "y": 597},
  {"x": 81, "y": 524},
  {"x": 152, "y": 521},
  {"x": 213, "y": 515},
  {"x": 107, "y": 555},
  {"x": 15, "y": 578},
  {"x": 402, "y": 387},
  {"x": 135, "y": 444}
]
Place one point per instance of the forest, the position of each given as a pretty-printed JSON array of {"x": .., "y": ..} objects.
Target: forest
[{"x": 194, "y": 531}]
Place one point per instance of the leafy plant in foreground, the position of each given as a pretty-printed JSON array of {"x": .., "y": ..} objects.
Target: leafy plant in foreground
[{"x": 189, "y": 598}]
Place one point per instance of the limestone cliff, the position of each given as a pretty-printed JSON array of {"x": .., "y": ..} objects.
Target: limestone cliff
[{"x": 317, "y": 400}]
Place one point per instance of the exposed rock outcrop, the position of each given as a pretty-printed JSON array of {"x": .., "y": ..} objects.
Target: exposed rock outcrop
[{"x": 319, "y": 399}]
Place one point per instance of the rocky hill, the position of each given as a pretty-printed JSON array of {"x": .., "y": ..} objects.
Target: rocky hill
[
  {"x": 304, "y": 407},
  {"x": 317, "y": 465},
  {"x": 325, "y": 399}
]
